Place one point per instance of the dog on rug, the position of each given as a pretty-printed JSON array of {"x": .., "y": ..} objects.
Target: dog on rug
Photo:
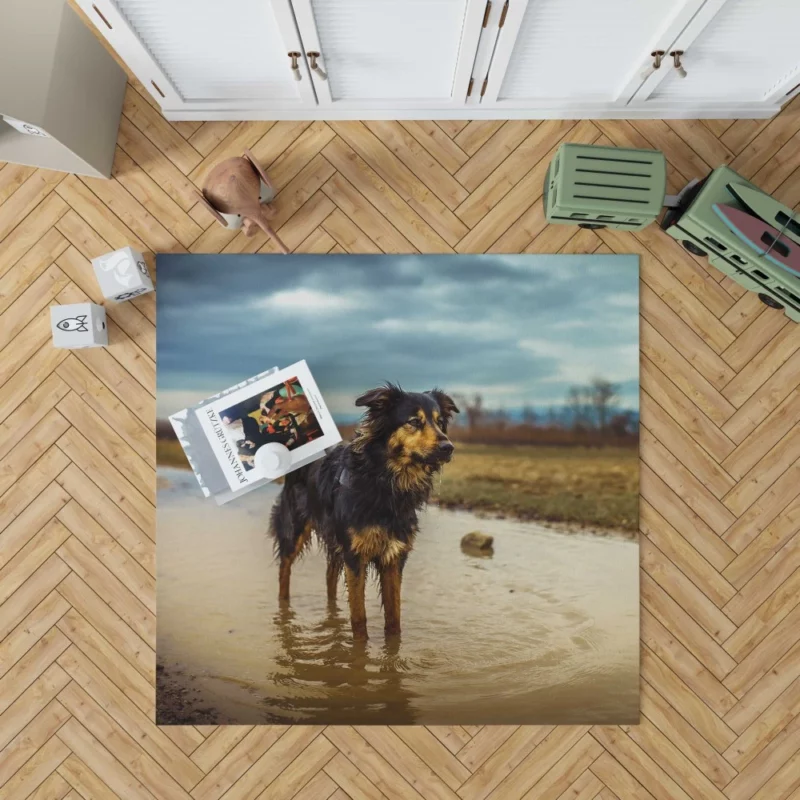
[{"x": 362, "y": 499}]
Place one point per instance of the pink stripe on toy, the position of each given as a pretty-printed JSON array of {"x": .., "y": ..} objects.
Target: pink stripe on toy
[{"x": 764, "y": 239}]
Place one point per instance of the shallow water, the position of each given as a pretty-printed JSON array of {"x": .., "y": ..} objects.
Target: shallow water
[{"x": 545, "y": 631}]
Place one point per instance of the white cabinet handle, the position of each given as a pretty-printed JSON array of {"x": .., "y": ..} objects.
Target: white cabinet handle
[
  {"x": 312, "y": 57},
  {"x": 657, "y": 55},
  {"x": 294, "y": 55},
  {"x": 676, "y": 60}
]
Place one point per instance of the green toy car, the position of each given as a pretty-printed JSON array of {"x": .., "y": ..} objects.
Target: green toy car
[
  {"x": 702, "y": 232},
  {"x": 612, "y": 187}
]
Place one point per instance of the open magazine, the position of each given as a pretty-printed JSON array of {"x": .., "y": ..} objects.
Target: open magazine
[
  {"x": 281, "y": 407},
  {"x": 285, "y": 407}
]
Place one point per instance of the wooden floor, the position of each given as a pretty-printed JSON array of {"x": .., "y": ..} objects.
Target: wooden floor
[{"x": 720, "y": 511}]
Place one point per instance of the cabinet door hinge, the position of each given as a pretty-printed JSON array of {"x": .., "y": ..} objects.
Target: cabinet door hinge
[
  {"x": 486, "y": 13},
  {"x": 469, "y": 88},
  {"x": 503, "y": 15}
]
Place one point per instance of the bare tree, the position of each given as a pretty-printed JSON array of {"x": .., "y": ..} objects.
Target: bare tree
[
  {"x": 580, "y": 403},
  {"x": 603, "y": 393},
  {"x": 474, "y": 411},
  {"x": 575, "y": 405},
  {"x": 528, "y": 416},
  {"x": 622, "y": 423},
  {"x": 499, "y": 418},
  {"x": 587, "y": 408}
]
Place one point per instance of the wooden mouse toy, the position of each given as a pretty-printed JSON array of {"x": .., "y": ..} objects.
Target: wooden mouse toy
[{"x": 234, "y": 189}]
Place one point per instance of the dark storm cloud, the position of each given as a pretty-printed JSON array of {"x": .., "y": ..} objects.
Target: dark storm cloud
[{"x": 518, "y": 329}]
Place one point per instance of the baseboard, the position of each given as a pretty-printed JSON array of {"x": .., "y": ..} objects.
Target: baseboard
[{"x": 740, "y": 111}]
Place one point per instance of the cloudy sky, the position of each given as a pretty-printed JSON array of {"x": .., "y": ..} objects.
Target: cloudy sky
[{"x": 518, "y": 329}]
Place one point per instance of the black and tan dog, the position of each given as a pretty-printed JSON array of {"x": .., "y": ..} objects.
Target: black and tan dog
[{"x": 362, "y": 499}]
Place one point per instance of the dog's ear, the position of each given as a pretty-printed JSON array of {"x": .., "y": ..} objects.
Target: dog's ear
[
  {"x": 381, "y": 398},
  {"x": 446, "y": 405}
]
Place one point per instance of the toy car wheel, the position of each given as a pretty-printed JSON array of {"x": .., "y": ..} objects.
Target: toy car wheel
[
  {"x": 693, "y": 248},
  {"x": 592, "y": 226},
  {"x": 769, "y": 301}
]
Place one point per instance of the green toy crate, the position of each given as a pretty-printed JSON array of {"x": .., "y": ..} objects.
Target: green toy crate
[
  {"x": 605, "y": 187},
  {"x": 695, "y": 224}
]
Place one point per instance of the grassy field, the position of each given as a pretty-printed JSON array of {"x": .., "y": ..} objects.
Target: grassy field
[
  {"x": 578, "y": 485},
  {"x": 590, "y": 486},
  {"x": 169, "y": 453}
]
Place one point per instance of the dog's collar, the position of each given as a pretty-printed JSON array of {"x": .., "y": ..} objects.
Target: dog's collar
[{"x": 344, "y": 477}]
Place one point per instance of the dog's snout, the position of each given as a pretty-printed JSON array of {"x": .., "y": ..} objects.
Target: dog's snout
[{"x": 446, "y": 446}]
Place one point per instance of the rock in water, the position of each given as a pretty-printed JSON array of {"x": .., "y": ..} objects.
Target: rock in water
[{"x": 478, "y": 543}]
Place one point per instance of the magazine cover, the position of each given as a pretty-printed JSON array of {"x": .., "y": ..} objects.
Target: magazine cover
[{"x": 285, "y": 408}]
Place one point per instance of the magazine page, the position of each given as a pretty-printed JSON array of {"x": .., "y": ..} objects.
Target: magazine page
[{"x": 285, "y": 408}]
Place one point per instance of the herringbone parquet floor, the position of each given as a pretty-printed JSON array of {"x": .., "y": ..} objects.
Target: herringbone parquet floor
[{"x": 720, "y": 579}]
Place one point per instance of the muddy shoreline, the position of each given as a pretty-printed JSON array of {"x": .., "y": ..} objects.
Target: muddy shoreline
[
  {"x": 558, "y": 526},
  {"x": 555, "y": 525},
  {"x": 177, "y": 703}
]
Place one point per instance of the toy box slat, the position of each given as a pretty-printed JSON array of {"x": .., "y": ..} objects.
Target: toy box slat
[
  {"x": 599, "y": 194},
  {"x": 602, "y": 171},
  {"x": 634, "y": 185}
]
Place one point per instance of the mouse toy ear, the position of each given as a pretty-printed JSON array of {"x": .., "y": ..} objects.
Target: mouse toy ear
[
  {"x": 446, "y": 404},
  {"x": 211, "y": 210},
  {"x": 258, "y": 168},
  {"x": 380, "y": 398}
]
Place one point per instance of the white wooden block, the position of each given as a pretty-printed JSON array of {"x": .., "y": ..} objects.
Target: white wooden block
[
  {"x": 78, "y": 325},
  {"x": 122, "y": 274}
]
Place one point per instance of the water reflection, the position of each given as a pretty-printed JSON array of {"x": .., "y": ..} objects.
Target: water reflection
[{"x": 332, "y": 678}]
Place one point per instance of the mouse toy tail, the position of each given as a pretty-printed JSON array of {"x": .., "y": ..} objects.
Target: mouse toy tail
[{"x": 270, "y": 231}]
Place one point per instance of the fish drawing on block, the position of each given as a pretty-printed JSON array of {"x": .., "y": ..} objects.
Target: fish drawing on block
[
  {"x": 73, "y": 324},
  {"x": 763, "y": 238}
]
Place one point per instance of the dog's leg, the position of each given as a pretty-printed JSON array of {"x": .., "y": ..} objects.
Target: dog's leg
[
  {"x": 391, "y": 581},
  {"x": 332, "y": 576},
  {"x": 356, "y": 579},
  {"x": 285, "y": 574},
  {"x": 287, "y": 559}
]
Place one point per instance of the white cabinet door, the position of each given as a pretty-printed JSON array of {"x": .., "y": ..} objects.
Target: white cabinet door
[
  {"x": 737, "y": 51},
  {"x": 208, "y": 54},
  {"x": 558, "y": 54},
  {"x": 390, "y": 53}
]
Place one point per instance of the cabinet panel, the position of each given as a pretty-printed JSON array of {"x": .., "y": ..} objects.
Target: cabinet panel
[
  {"x": 566, "y": 53},
  {"x": 583, "y": 50},
  {"x": 206, "y": 53},
  {"x": 747, "y": 52},
  {"x": 390, "y": 52}
]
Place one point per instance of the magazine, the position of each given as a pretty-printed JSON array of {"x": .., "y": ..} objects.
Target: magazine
[{"x": 285, "y": 407}]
